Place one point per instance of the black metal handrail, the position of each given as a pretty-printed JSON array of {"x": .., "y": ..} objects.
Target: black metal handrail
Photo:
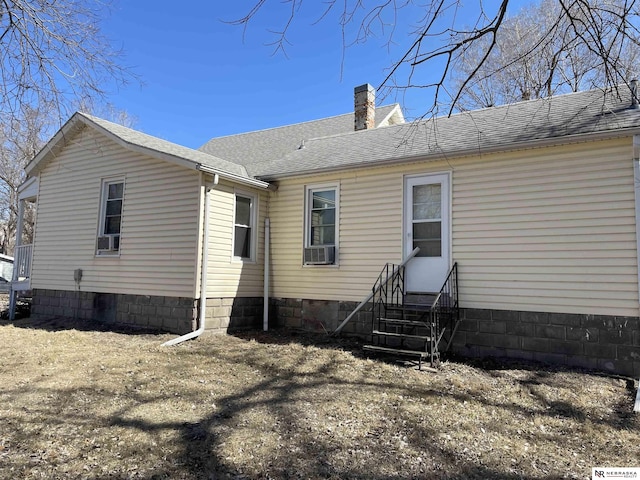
[
  {"x": 365, "y": 303},
  {"x": 445, "y": 312},
  {"x": 402, "y": 321},
  {"x": 388, "y": 291}
]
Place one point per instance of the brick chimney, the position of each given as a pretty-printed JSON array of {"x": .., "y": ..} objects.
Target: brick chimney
[{"x": 365, "y": 107}]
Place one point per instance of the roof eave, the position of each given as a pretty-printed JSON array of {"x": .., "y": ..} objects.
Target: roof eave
[
  {"x": 538, "y": 143},
  {"x": 53, "y": 144},
  {"x": 235, "y": 178}
]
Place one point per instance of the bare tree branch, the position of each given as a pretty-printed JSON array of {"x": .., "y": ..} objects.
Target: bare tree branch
[
  {"x": 52, "y": 52},
  {"x": 566, "y": 45}
]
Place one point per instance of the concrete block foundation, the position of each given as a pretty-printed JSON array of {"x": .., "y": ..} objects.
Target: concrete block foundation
[
  {"x": 598, "y": 342},
  {"x": 168, "y": 314}
]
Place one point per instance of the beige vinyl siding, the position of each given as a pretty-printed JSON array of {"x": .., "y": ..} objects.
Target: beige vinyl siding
[
  {"x": 370, "y": 210},
  {"x": 549, "y": 229},
  {"x": 226, "y": 276},
  {"x": 159, "y": 230}
]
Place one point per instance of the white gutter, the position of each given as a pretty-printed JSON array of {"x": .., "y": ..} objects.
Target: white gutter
[
  {"x": 203, "y": 279},
  {"x": 232, "y": 176},
  {"x": 265, "y": 310}
]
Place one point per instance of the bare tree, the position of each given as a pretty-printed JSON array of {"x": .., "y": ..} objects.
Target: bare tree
[
  {"x": 533, "y": 59},
  {"x": 106, "y": 111},
  {"x": 52, "y": 52},
  {"x": 20, "y": 140},
  {"x": 442, "y": 38}
]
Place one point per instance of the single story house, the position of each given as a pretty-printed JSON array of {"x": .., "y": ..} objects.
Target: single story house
[{"x": 536, "y": 202}]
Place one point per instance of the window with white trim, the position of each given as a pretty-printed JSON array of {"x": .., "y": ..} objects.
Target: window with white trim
[
  {"x": 244, "y": 231},
  {"x": 109, "y": 229},
  {"x": 321, "y": 224}
]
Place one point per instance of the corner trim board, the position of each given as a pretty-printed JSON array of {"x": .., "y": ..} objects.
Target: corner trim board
[{"x": 636, "y": 189}]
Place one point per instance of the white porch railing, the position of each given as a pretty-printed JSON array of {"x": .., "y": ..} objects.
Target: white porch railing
[{"x": 22, "y": 262}]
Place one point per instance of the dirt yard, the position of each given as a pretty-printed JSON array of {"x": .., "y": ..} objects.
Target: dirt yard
[{"x": 97, "y": 404}]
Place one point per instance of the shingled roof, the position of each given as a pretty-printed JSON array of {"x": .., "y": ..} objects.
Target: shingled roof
[
  {"x": 274, "y": 143},
  {"x": 560, "y": 119},
  {"x": 331, "y": 144},
  {"x": 147, "y": 144}
]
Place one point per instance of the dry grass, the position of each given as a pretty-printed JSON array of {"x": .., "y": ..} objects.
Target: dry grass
[{"x": 99, "y": 404}]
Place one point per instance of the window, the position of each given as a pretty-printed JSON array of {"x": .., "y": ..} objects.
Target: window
[
  {"x": 427, "y": 219},
  {"x": 321, "y": 230},
  {"x": 244, "y": 227},
  {"x": 110, "y": 217}
]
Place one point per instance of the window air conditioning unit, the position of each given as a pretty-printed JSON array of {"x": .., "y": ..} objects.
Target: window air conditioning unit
[
  {"x": 324, "y": 255},
  {"x": 108, "y": 243}
]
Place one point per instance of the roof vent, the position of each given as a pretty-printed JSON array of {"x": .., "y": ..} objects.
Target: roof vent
[{"x": 633, "y": 86}]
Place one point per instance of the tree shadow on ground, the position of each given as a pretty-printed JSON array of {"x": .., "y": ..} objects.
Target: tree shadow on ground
[
  {"x": 310, "y": 455},
  {"x": 539, "y": 373},
  {"x": 58, "y": 324},
  {"x": 278, "y": 390}
]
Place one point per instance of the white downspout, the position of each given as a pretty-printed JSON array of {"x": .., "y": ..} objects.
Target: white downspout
[
  {"x": 203, "y": 279},
  {"x": 265, "y": 311}
]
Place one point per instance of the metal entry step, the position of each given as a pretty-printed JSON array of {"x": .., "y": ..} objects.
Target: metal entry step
[
  {"x": 399, "y": 351},
  {"x": 406, "y": 323},
  {"x": 402, "y": 335}
]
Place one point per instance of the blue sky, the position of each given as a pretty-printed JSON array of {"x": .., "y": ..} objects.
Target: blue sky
[{"x": 201, "y": 78}]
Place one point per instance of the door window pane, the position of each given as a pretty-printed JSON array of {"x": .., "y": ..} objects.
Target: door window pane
[
  {"x": 428, "y": 236},
  {"x": 427, "y": 202}
]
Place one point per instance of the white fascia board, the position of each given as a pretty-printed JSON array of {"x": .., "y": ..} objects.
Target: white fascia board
[
  {"x": 53, "y": 144},
  {"x": 29, "y": 188}
]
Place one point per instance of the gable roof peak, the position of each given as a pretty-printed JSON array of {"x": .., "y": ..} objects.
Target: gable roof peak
[
  {"x": 387, "y": 110},
  {"x": 139, "y": 142},
  {"x": 274, "y": 143}
]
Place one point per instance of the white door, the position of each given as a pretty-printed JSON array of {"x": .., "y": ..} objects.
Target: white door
[{"x": 426, "y": 225}]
